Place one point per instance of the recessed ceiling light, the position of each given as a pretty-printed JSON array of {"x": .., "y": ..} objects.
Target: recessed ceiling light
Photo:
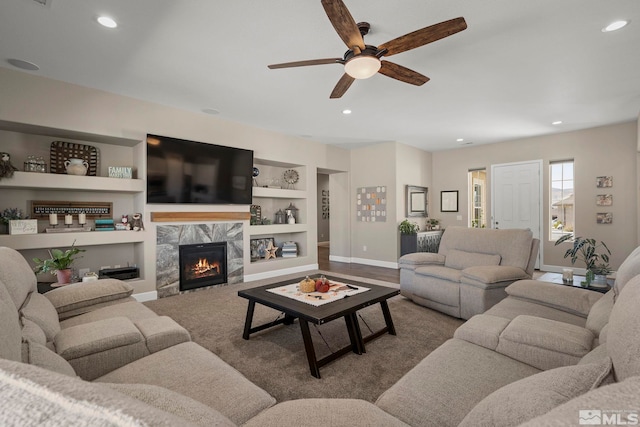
[
  {"x": 24, "y": 65},
  {"x": 459, "y": 139},
  {"x": 557, "y": 122},
  {"x": 106, "y": 21},
  {"x": 211, "y": 111},
  {"x": 346, "y": 111},
  {"x": 614, "y": 26}
]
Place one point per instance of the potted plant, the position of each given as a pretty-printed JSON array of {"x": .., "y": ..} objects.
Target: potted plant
[
  {"x": 585, "y": 249},
  {"x": 408, "y": 237},
  {"x": 59, "y": 264},
  {"x": 434, "y": 223},
  {"x": 8, "y": 215}
]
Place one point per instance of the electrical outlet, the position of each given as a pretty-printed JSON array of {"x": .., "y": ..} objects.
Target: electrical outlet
[
  {"x": 364, "y": 248},
  {"x": 83, "y": 271}
]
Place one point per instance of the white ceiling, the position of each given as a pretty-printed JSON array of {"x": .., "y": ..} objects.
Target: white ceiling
[{"x": 519, "y": 66}]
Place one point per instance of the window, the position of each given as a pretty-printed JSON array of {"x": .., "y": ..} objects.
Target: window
[
  {"x": 562, "y": 206},
  {"x": 477, "y": 198}
]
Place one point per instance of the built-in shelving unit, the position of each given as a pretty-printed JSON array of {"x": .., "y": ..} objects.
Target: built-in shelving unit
[
  {"x": 126, "y": 195},
  {"x": 273, "y": 193}
]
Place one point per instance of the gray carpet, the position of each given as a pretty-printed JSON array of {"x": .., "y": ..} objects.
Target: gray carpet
[{"x": 275, "y": 359}]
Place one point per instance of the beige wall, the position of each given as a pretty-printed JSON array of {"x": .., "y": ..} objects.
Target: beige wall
[{"x": 607, "y": 150}]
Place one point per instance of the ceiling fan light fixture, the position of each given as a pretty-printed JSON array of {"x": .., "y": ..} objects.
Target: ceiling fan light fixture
[
  {"x": 614, "y": 26},
  {"x": 362, "y": 66}
]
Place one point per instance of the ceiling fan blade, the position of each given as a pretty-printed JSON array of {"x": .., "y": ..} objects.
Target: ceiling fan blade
[
  {"x": 343, "y": 23},
  {"x": 306, "y": 63},
  {"x": 398, "y": 72},
  {"x": 424, "y": 36},
  {"x": 343, "y": 84}
]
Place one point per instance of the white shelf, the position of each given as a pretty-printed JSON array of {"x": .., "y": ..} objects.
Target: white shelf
[
  {"x": 260, "y": 230},
  {"x": 279, "y": 193},
  {"x": 82, "y": 238},
  {"x": 52, "y": 181}
]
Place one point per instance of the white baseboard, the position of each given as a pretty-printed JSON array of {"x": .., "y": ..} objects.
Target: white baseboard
[
  {"x": 276, "y": 273},
  {"x": 365, "y": 261},
  {"x": 146, "y": 296}
]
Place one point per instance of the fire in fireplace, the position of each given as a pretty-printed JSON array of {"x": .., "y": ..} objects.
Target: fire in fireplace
[{"x": 202, "y": 264}]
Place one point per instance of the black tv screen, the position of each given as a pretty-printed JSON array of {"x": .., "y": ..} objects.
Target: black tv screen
[{"x": 181, "y": 171}]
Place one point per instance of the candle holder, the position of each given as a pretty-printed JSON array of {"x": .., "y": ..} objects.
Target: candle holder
[
  {"x": 82, "y": 218},
  {"x": 53, "y": 220},
  {"x": 68, "y": 220}
]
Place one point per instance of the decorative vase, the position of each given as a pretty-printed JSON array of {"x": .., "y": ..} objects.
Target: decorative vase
[
  {"x": 408, "y": 243},
  {"x": 64, "y": 276},
  {"x": 76, "y": 166},
  {"x": 589, "y": 278},
  {"x": 600, "y": 279}
]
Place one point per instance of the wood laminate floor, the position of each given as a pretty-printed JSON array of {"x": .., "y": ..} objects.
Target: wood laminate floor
[{"x": 362, "y": 270}]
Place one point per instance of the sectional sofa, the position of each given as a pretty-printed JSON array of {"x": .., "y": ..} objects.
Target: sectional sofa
[{"x": 536, "y": 358}]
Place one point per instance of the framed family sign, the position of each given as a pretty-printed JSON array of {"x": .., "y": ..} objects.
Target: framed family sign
[{"x": 449, "y": 201}]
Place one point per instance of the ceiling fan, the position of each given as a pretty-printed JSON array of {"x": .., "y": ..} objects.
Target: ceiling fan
[{"x": 362, "y": 61}]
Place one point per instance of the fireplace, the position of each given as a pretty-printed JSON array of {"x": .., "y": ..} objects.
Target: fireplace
[{"x": 202, "y": 264}]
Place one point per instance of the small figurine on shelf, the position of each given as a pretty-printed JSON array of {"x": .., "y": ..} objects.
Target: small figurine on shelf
[
  {"x": 136, "y": 224},
  {"x": 125, "y": 222},
  {"x": 6, "y": 168}
]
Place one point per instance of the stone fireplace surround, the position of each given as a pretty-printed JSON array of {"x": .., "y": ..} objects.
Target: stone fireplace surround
[{"x": 170, "y": 237}]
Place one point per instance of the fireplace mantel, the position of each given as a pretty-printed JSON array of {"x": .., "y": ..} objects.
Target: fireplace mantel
[{"x": 199, "y": 216}]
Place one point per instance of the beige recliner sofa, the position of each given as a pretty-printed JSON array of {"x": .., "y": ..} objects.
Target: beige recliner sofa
[
  {"x": 471, "y": 270},
  {"x": 494, "y": 372}
]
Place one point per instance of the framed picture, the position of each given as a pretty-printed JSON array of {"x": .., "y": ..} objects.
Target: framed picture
[
  {"x": 604, "y": 218},
  {"x": 417, "y": 200},
  {"x": 258, "y": 247},
  {"x": 604, "y": 181},
  {"x": 449, "y": 201},
  {"x": 604, "y": 200}
]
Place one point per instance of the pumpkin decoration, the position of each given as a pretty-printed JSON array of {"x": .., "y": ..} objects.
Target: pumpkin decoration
[
  {"x": 322, "y": 284},
  {"x": 307, "y": 285}
]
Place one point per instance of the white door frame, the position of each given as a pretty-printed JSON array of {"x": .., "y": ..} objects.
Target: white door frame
[{"x": 541, "y": 195}]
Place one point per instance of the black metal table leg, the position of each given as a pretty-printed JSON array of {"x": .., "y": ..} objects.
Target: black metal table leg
[
  {"x": 248, "y": 319},
  {"x": 355, "y": 336},
  {"x": 308, "y": 347},
  {"x": 387, "y": 317}
]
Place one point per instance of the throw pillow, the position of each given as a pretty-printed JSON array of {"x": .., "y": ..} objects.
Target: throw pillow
[
  {"x": 461, "y": 259},
  {"x": 533, "y": 396}
]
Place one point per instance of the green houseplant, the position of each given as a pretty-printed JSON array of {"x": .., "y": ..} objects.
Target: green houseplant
[
  {"x": 594, "y": 255},
  {"x": 408, "y": 237},
  {"x": 59, "y": 263}
]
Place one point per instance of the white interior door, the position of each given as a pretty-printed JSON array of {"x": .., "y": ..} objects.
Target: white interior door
[{"x": 516, "y": 191}]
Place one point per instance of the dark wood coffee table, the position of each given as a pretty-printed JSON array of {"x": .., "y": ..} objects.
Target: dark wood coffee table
[{"x": 305, "y": 313}]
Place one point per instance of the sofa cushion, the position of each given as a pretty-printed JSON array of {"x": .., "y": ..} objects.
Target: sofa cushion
[
  {"x": 597, "y": 407},
  {"x": 16, "y": 275},
  {"x": 53, "y": 399},
  {"x": 596, "y": 355},
  {"x": 463, "y": 259},
  {"x": 174, "y": 403},
  {"x": 566, "y": 298},
  {"x": 39, "y": 310},
  {"x": 629, "y": 268},
  {"x": 449, "y": 382},
  {"x": 39, "y": 355},
  {"x": 191, "y": 370},
  {"x": 161, "y": 332},
  {"x": 536, "y": 395},
  {"x": 599, "y": 314},
  {"x": 85, "y": 294},
  {"x": 544, "y": 343},
  {"x": 132, "y": 310},
  {"x": 514, "y": 245},
  {"x": 623, "y": 335},
  {"x": 483, "y": 330},
  {"x": 31, "y": 331},
  {"x": 510, "y": 308},
  {"x": 440, "y": 272},
  {"x": 10, "y": 333},
  {"x": 485, "y": 276},
  {"x": 324, "y": 412}
]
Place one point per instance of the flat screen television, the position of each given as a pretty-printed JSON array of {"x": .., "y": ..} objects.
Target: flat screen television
[{"x": 182, "y": 171}]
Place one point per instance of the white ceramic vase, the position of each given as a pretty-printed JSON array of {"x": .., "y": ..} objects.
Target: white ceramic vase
[{"x": 76, "y": 166}]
